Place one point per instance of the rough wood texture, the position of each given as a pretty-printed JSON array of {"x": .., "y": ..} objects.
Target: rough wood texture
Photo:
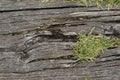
[{"x": 36, "y": 41}]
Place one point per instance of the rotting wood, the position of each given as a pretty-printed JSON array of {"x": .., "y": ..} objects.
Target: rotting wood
[{"x": 36, "y": 41}]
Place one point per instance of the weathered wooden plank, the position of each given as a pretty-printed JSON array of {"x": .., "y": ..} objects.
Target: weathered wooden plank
[
  {"x": 57, "y": 34},
  {"x": 30, "y": 20},
  {"x": 36, "y": 41},
  {"x": 101, "y": 69},
  {"x": 11, "y": 5},
  {"x": 96, "y": 14},
  {"x": 72, "y": 73}
]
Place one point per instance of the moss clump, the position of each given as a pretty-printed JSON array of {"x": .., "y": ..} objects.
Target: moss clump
[
  {"x": 99, "y": 3},
  {"x": 88, "y": 78},
  {"x": 116, "y": 42},
  {"x": 89, "y": 46}
]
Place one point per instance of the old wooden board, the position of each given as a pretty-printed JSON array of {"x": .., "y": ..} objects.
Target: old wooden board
[{"x": 36, "y": 40}]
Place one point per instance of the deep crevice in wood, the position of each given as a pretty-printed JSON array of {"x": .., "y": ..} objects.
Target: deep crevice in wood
[{"x": 35, "y": 9}]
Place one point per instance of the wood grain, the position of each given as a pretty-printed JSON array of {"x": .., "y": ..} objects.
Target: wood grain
[{"x": 36, "y": 40}]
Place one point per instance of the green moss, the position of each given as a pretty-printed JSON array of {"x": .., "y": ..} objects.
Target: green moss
[
  {"x": 116, "y": 42},
  {"x": 88, "y": 78},
  {"x": 100, "y": 2},
  {"x": 88, "y": 47}
]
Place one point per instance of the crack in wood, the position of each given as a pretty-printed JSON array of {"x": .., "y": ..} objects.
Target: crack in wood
[
  {"x": 116, "y": 59},
  {"x": 44, "y": 69},
  {"x": 35, "y": 9},
  {"x": 69, "y": 57}
]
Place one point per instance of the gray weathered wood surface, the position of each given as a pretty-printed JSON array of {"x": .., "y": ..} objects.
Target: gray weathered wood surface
[{"x": 36, "y": 41}]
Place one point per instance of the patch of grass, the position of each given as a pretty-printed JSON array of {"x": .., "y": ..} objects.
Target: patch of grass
[
  {"x": 116, "y": 42},
  {"x": 99, "y": 3},
  {"x": 88, "y": 78},
  {"x": 88, "y": 47}
]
